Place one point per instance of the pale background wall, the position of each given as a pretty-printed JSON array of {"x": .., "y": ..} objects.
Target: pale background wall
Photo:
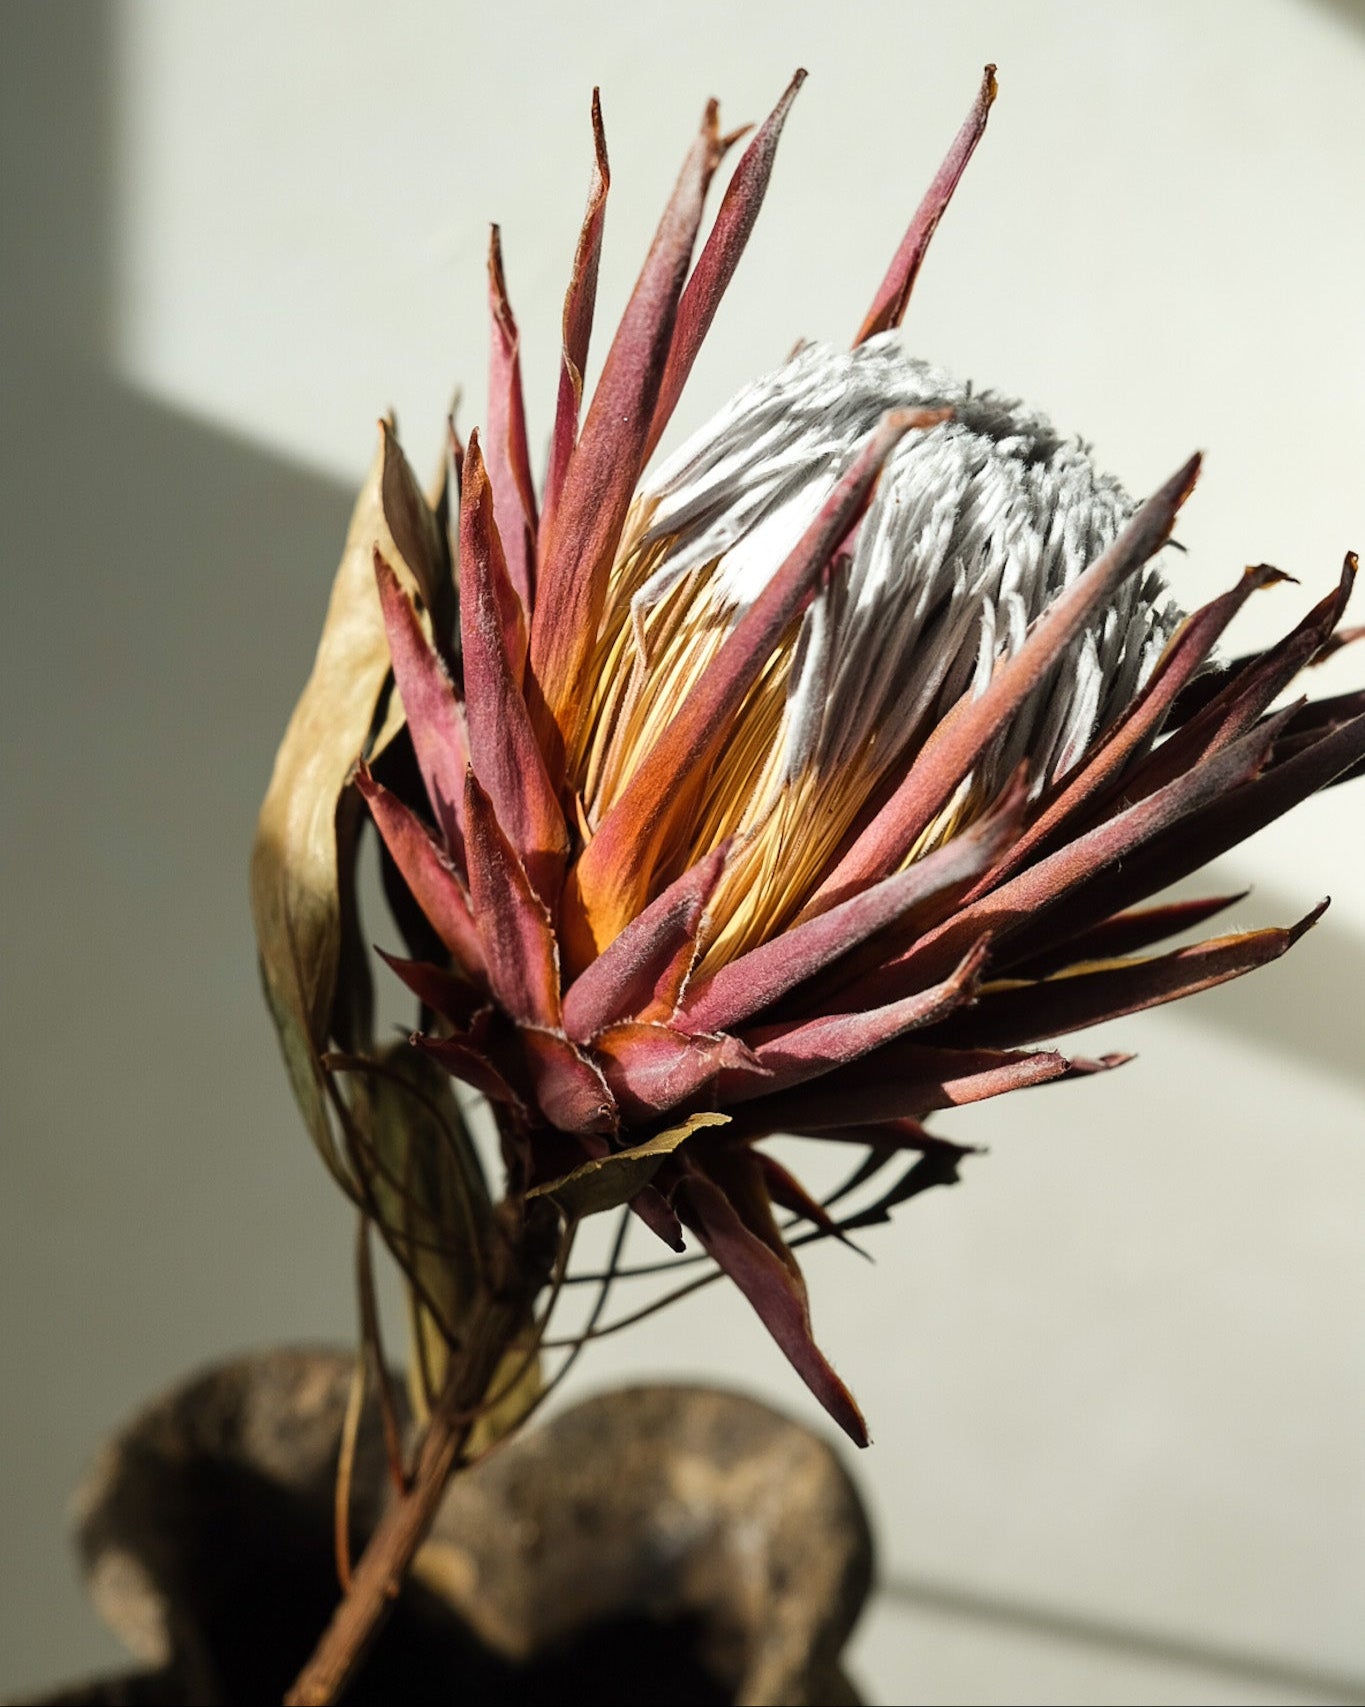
[{"x": 1118, "y": 1381}]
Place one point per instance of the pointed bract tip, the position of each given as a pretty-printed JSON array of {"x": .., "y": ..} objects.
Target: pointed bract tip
[
  {"x": 497, "y": 278},
  {"x": 1309, "y": 919},
  {"x": 1186, "y": 475},
  {"x": 778, "y": 116},
  {"x": 1267, "y": 575},
  {"x": 1164, "y": 504},
  {"x": 599, "y": 138},
  {"x": 389, "y": 586}
]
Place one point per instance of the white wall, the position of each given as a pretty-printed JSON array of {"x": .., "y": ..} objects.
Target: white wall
[{"x": 1119, "y": 1376}]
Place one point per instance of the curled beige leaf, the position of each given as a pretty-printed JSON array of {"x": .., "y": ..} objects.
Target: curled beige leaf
[{"x": 302, "y": 863}]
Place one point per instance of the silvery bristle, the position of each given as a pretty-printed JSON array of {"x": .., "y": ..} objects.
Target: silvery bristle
[{"x": 975, "y": 527}]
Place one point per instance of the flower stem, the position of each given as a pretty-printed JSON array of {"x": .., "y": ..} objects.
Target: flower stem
[{"x": 521, "y": 1259}]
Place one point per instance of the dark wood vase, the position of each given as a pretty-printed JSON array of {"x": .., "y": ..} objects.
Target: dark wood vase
[{"x": 651, "y": 1545}]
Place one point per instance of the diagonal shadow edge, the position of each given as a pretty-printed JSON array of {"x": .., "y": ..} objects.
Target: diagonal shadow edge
[{"x": 1030, "y": 1618}]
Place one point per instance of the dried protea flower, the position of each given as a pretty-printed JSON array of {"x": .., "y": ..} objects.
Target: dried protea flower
[{"x": 799, "y": 786}]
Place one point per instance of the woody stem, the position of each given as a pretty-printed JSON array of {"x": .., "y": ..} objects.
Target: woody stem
[{"x": 523, "y": 1251}]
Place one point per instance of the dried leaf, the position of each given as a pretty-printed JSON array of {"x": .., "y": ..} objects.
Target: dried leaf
[
  {"x": 964, "y": 734},
  {"x": 794, "y": 1051},
  {"x": 516, "y": 1385},
  {"x": 773, "y": 1285},
  {"x": 608, "y": 1181},
  {"x": 426, "y": 869},
  {"x": 1193, "y": 841},
  {"x": 601, "y": 475},
  {"x": 719, "y": 257},
  {"x": 1236, "y": 707},
  {"x": 303, "y": 858},
  {"x": 431, "y": 706},
  {"x": 431, "y": 1205},
  {"x": 509, "y": 464},
  {"x": 580, "y": 301},
  {"x": 502, "y": 744},
  {"x": 411, "y": 523},
  {"x": 469, "y": 1064},
  {"x": 1092, "y": 994},
  {"x": 1126, "y": 933},
  {"x": 905, "y": 1080},
  {"x": 758, "y": 979},
  {"x": 1110, "y": 760},
  {"x": 652, "y": 1068},
  {"x": 1020, "y": 902},
  {"x": 515, "y": 930},
  {"x": 624, "y": 978},
  {"x": 888, "y": 309},
  {"x": 426, "y": 1187},
  {"x": 571, "y": 1090}
]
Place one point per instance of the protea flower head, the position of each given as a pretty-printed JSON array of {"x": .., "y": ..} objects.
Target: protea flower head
[{"x": 807, "y": 782}]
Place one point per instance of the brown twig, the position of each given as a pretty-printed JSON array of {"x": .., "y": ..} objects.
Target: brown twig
[
  {"x": 524, "y": 1243},
  {"x": 341, "y": 1499}
]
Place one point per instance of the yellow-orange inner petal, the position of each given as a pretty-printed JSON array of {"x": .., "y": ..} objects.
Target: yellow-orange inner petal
[{"x": 787, "y": 829}]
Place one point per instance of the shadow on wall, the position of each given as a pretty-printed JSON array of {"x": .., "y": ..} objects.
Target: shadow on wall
[
  {"x": 1227, "y": 1665},
  {"x": 164, "y": 584},
  {"x": 1349, "y": 11},
  {"x": 1307, "y": 1005}
]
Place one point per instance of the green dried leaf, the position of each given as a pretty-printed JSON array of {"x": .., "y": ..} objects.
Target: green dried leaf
[
  {"x": 429, "y": 1198},
  {"x": 607, "y": 1182},
  {"x": 426, "y": 1189},
  {"x": 516, "y": 1385},
  {"x": 433, "y": 1211}
]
